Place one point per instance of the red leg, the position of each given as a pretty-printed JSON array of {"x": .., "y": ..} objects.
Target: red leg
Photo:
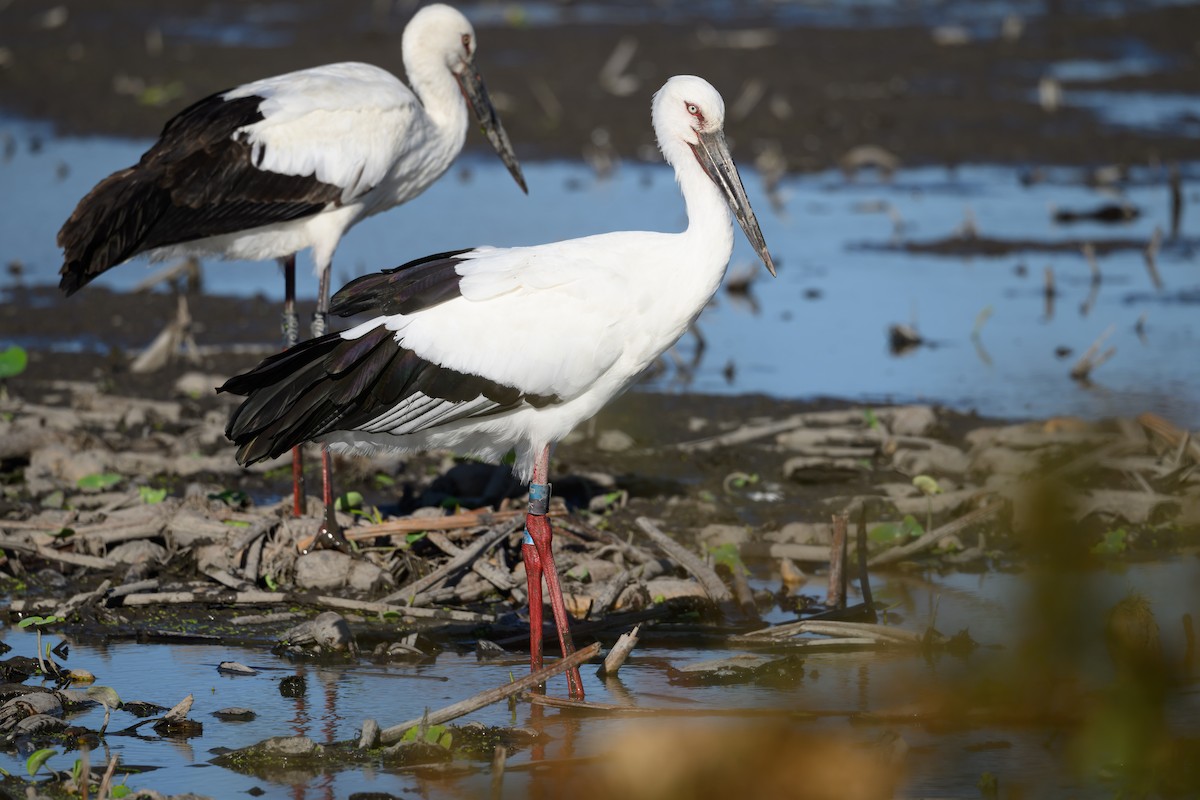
[
  {"x": 538, "y": 526},
  {"x": 533, "y": 579},
  {"x": 538, "y": 550},
  {"x": 291, "y": 334}
]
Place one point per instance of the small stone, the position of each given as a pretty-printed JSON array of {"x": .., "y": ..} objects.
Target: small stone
[
  {"x": 235, "y": 668},
  {"x": 936, "y": 459},
  {"x": 134, "y": 418},
  {"x": 293, "y": 686},
  {"x": 614, "y": 441},
  {"x": 804, "y": 469},
  {"x": 324, "y": 570},
  {"x": 234, "y": 714},
  {"x": 328, "y": 631},
  {"x": 912, "y": 421},
  {"x": 290, "y": 746},
  {"x": 801, "y": 533},
  {"x": 717, "y": 535},
  {"x": 139, "y": 551}
]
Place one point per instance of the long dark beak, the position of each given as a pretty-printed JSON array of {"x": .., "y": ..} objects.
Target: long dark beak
[
  {"x": 471, "y": 83},
  {"x": 713, "y": 154}
]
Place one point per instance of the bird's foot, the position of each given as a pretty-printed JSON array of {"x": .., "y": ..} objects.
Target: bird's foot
[
  {"x": 329, "y": 535},
  {"x": 291, "y": 328},
  {"x": 319, "y": 324}
]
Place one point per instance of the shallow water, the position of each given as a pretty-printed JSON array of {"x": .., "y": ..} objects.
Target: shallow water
[
  {"x": 820, "y": 329},
  {"x": 995, "y": 607}
]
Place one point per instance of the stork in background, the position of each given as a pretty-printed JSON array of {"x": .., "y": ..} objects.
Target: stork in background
[
  {"x": 272, "y": 167},
  {"x": 486, "y": 350}
]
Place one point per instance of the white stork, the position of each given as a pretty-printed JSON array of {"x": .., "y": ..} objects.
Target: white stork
[
  {"x": 272, "y": 167},
  {"x": 491, "y": 349}
]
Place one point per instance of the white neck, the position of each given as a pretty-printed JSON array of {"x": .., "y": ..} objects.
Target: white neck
[
  {"x": 440, "y": 96},
  {"x": 710, "y": 224}
]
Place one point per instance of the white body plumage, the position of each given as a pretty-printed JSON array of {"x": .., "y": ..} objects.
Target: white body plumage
[{"x": 578, "y": 319}]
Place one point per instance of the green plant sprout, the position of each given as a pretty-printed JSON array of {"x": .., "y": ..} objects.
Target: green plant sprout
[{"x": 37, "y": 623}]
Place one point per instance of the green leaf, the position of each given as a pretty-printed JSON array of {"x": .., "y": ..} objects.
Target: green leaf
[
  {"x": 446, "y": 740},
  {"x": 269, "y": 580},
  {"x": 237, "y": 523},
  {"x": 350, "y": 501},
  {"x": 896, "y": 532},
  {"x": 410, "y": 735},
  {"x": 119, "y": 791},
  {"x": 927, "y": 485},
  {"x": 151, "y": 496},
  {"x": 235, "y": 497},
  {"x": 99, "y": 480},
  {"x": 729, "y": 555},
  {"x": 13, "y": 362},
  {"x": 37, "y": 758},
  {"x": 104, "y": 695},
  {"x": 434, "y": 732},
  {"x": 870, "y": 418},
  {"x": 1114, "y": 543},
  {"x": 160, "y": 94},
  {"x": 38, "y": 621},
  {"x": 383, "y": 481},
  {"x": 413, "y": 538}
]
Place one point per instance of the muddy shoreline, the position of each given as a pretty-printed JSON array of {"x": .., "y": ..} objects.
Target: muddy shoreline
[{"x": 124, "y": 68}]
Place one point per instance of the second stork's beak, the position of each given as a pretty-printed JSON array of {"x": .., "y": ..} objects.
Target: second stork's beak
[
  {"x": 713, "y": 154},
  {"x": 471, "y": 83}
]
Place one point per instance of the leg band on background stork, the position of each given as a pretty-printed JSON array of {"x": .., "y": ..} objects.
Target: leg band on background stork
[{"x": 539, "y": 504}]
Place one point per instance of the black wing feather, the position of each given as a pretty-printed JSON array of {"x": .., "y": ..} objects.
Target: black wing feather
[
  {"x": 404, "y": 289},
  {"x": 330, "y": 384},
  {"x": 196, "y": 181}
]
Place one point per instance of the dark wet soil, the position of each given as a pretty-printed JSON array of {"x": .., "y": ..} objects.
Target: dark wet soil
[{"x": 825, "y": 89}]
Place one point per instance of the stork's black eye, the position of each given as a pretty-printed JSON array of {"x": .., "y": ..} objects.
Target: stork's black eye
[
  {"x": 466, "y": 40},
  {"x": 693, "y": 109}
]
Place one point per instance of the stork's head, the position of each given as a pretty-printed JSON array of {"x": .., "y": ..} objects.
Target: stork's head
[
  {"x": 689, "y": 121},
  {"x": 439, "y": 35}
]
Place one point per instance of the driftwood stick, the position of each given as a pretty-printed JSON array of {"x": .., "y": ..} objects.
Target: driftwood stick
[
  {"x": 858, "y": 630},
  {"x": 489, "y": 572},
  {"x": 934, "y": 536},
  {"x": 447, "y": 614},
  {"x": 410, "y": 592},
  {"x": 279, "y": 598},
  {"x": 835, "y": 596},
  {"x": 864, "y": 576},
  {"x": 133, "y": 588},
  {"x": 50, "y": 554},
  {"x": 805, "y": 553},
  {"x": 392, "y": 735},
  {"x": 499, "y": 756},
  {"x": 1089, "y": 360},
  {"x": 713, "y": 585},
  {"x": 83, "y": 597},
  {"x": 612, "y": 590},
  {"x": 619, "y": 652},
  {"x": 466, "y": 519},
  {"x": 106, "y": 781},
  {"x": 1151, "y": 257},
  {"x": 225, "y": 598},
  {"x": 1165, "y": 430}
]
